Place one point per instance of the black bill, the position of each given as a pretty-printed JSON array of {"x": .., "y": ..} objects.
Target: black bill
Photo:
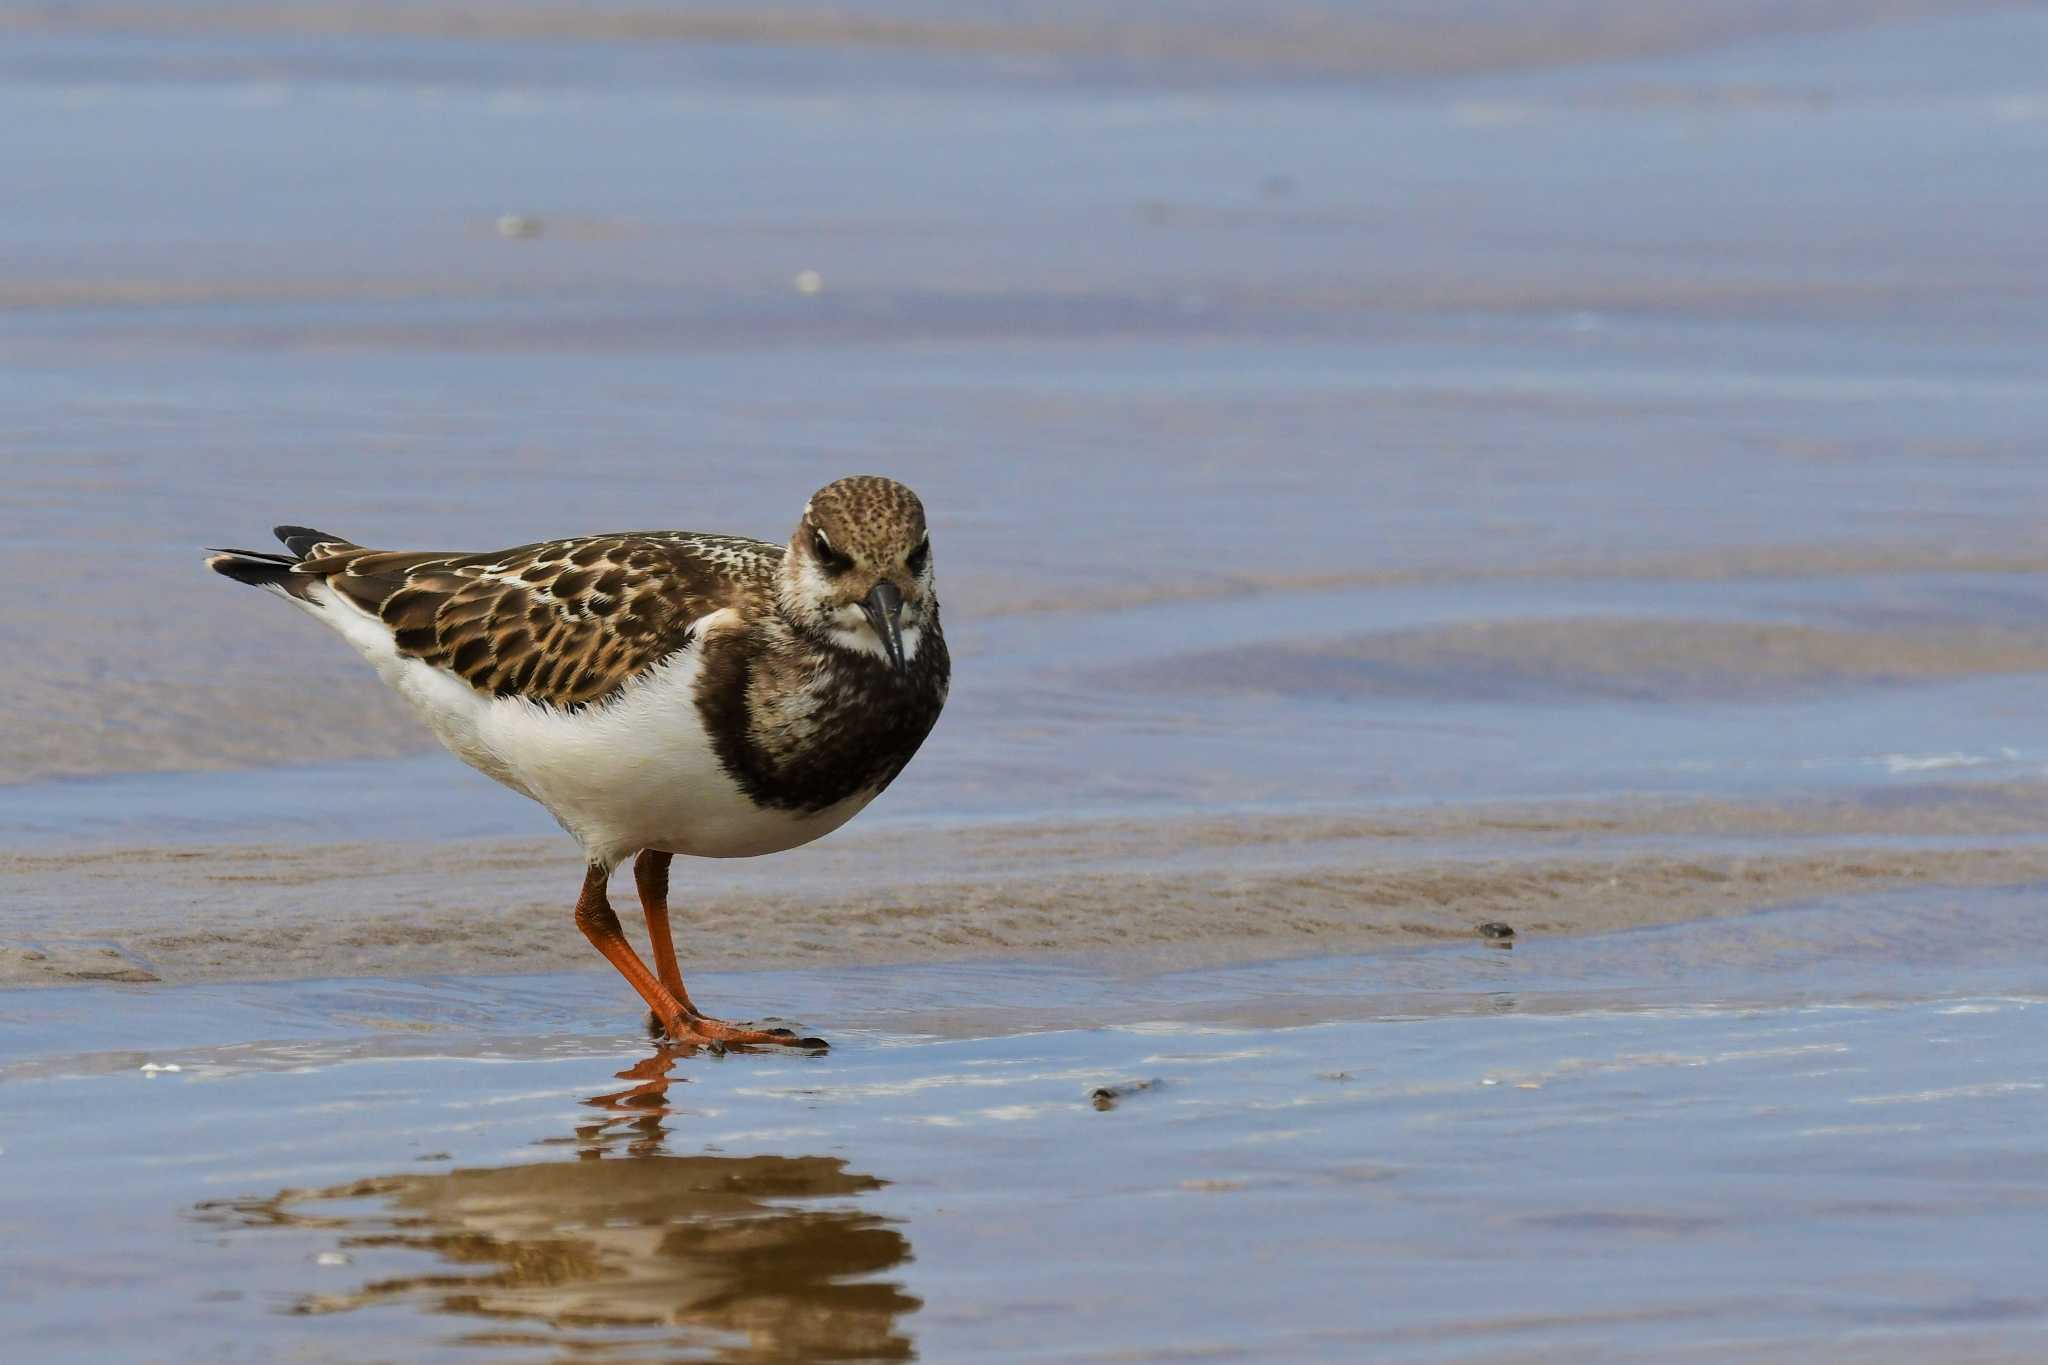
[{"x": 884, "y": 606}]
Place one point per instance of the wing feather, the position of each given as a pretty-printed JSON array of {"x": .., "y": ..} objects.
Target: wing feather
[{"x": 567, "y": 623}]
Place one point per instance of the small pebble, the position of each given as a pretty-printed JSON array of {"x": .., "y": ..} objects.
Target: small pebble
[
  {"x": 809, "y": 282},
  {"x": 1106, "y": 1096},
  {"x": 1493, "y": 928},
  {"x": 332, "y": 1258}
]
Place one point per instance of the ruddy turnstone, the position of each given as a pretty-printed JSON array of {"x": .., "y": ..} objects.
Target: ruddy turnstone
[{"x": 660, "y": 692}]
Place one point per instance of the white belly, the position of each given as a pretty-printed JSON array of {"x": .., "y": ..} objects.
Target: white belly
[
  {"x": 640, "y": 772},
  {"x": 637, "y": 772}
]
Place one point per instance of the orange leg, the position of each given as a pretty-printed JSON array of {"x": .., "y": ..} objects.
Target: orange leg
[
  {"x": 679, "y": 1017},
  {"x": 595, "y": 918},
  {"x": 650, "y": 876}
]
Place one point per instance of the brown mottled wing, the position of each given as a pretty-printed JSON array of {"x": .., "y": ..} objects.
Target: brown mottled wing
[{"x": 565, "y": 622}]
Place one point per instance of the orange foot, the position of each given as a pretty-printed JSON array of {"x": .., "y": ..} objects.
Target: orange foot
[{"x": 698, "y": 1030}]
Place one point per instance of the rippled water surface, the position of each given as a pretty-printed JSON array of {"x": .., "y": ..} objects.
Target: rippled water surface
[{"x": 1462, "y": 1153}]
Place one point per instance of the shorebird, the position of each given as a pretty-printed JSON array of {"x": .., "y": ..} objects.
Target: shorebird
[{"x": 660, "y": 692}]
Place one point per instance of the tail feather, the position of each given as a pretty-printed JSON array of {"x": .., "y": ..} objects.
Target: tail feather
[
  {"x": 259, "y": 570},
  {"x": 268, "y": 556},
  {"x": 264, "y": 569}
]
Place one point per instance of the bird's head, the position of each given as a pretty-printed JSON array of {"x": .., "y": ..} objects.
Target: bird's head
[{"x": 858, "y": 575}]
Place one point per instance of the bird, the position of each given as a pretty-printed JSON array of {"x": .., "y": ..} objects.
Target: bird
[{"x": 659, "y": 692}]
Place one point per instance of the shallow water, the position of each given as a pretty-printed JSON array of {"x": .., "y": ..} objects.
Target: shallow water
[{"x": 1458, "y": 1153}]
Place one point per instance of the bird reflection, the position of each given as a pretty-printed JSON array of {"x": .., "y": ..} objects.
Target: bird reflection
[{"x": 735, "y": 1259}]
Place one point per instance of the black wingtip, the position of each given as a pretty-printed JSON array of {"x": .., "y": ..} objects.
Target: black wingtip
[{"x": 300, "y": 540}]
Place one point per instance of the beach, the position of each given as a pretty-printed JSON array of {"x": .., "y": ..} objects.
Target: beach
[{"x": 1392, "y": 471}]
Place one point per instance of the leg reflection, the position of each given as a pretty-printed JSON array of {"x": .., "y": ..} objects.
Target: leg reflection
[{"x": 638, "y": 1111}]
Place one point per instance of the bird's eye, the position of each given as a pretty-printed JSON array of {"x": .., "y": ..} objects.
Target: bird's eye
[
  {"x": 919, "y": 557},
  {"x": 829, "y": 559}
]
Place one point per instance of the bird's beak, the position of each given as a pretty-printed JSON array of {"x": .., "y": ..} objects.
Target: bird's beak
[{"x": 883, "y": 606}]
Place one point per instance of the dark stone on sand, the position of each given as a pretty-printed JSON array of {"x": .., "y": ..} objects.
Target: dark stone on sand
[
  {"x": 1106, "y": 1096},
  {"x": 1493, "y": 928}
]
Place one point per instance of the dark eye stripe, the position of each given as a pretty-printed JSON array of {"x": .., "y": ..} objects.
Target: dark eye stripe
[{"x": 919, "y": 556}]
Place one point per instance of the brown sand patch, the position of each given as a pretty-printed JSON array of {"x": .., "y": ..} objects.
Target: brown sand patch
[
  {"x": 1734, "y": 564},
  {"x": 1304, "y": 39},
  {"x": 1193, "y": 892},
  {"x": 1599, "y": 658}
]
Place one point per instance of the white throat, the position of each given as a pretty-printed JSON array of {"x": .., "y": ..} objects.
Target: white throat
[{"x": 859, "y": 635}]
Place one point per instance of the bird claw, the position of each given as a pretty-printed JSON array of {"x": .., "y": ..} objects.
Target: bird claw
[{"x": 719, "y": 1037}]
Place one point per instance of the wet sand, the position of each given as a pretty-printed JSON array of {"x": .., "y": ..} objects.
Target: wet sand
[
  {"x": 1157, "y": 40},
  {"x": 1146, "y": 894}
]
